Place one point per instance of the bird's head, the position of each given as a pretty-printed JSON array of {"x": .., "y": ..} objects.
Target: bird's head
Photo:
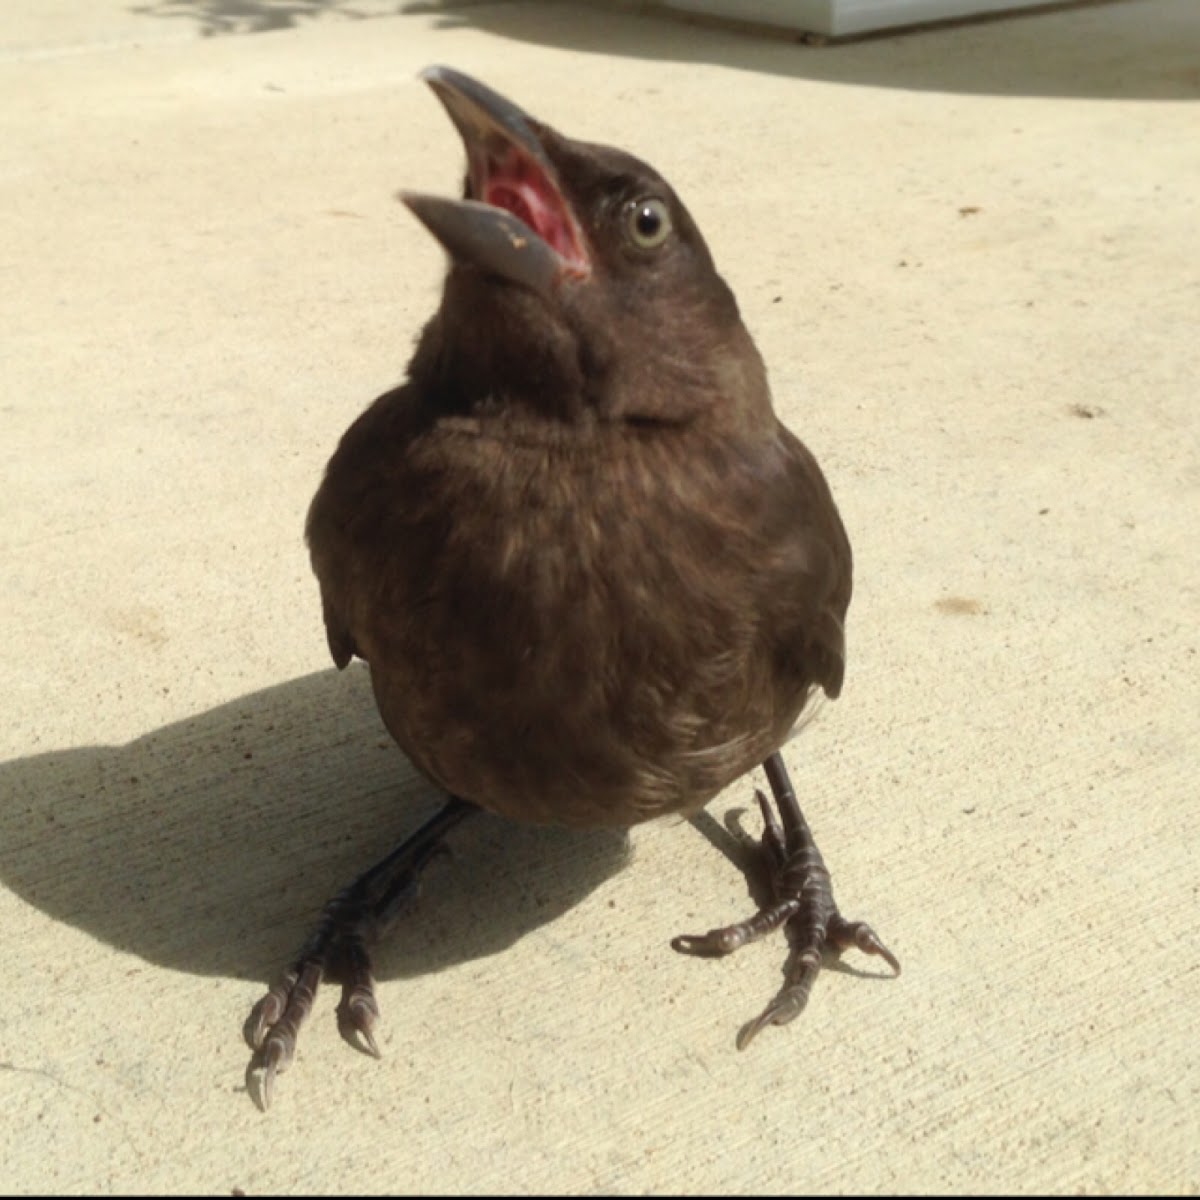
[{"x": 576, "y": 270}]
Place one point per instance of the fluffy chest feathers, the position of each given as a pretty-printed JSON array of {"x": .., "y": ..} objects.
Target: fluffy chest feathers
[{"x": 569, "y": 608}]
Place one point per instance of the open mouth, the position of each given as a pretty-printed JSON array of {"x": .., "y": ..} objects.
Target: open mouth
[
  {"x": 502, "y": 176},
  {"x": 515, "y": 222}
]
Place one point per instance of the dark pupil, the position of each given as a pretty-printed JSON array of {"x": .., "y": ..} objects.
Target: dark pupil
[{"x": 648, "y": 221}]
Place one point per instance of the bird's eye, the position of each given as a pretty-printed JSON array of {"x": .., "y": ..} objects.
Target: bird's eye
[{"x": 647, "y": 222}]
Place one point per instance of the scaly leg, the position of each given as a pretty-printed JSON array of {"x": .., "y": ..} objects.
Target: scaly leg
[
  {"x": 803, "y": 901},
  {"x": 338, "y": 947}
]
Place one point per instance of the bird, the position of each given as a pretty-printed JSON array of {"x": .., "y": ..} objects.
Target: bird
[{"x": 593, "y": 576}]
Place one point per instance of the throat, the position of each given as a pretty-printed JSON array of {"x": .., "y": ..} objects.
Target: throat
[{"x": 505, "y": 178}]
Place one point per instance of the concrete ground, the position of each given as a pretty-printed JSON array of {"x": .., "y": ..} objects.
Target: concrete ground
[{"x": 971, "y": 258}]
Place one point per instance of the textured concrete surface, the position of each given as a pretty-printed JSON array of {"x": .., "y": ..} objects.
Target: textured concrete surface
[{"x": 971, "y": 258}]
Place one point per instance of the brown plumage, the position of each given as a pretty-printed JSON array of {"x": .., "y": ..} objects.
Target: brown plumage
[{"x": 594, "y": 577}]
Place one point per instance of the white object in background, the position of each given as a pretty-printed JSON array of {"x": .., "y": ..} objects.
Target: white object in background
[{"x": 839, "y": 18}]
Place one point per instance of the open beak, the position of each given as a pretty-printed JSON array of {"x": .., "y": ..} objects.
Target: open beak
[{"x": 515, "y": 221}]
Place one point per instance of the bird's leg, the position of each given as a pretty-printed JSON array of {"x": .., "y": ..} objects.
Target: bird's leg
[
  {"x": 803, "y": 902},
  {"x": 337, "y": 947}
]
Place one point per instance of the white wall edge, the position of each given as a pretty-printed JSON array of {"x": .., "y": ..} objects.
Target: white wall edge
[{"x": 840, "y": 18}]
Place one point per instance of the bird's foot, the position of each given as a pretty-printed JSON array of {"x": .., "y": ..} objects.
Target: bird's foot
[
  {"x": 337, "y": 949},
  {"x": 802, "y": 902}
]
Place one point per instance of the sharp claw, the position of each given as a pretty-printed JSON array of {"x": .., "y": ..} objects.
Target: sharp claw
[
  {"x": 860, "y": 935},
  {"x": 277, "y": 1055},
  {"x": 787, "y": 1006},
  {"x": 357, "y": 1014},
  {"x": 867, "y": 941},
  {"x": 750, "y": 1031}
]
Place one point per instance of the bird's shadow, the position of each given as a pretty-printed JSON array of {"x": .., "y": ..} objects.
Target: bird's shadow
[{"x": 210, "y": 845}]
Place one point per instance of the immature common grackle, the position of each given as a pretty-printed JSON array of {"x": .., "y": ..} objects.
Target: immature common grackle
[{"x": 594, "y": 578}]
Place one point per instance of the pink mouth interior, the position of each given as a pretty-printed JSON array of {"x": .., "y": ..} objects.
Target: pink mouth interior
[{"x": 518, "y": 185}]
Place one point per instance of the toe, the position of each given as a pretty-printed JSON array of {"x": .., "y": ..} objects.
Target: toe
[
  {"x": 357, "y": 1015},
  {"x": 843, "y": 934}
]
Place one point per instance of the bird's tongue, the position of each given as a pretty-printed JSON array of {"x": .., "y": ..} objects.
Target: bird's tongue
[
  {"x": 521, "y": 187},
  {"x": 538, "y": 211}
]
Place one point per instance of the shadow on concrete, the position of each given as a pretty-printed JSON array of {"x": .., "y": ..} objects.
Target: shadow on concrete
[
  {"x": 215, "y": 18},
  {"x": 210, "y": 845},
  {"x": 1099, "y": 49}
]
